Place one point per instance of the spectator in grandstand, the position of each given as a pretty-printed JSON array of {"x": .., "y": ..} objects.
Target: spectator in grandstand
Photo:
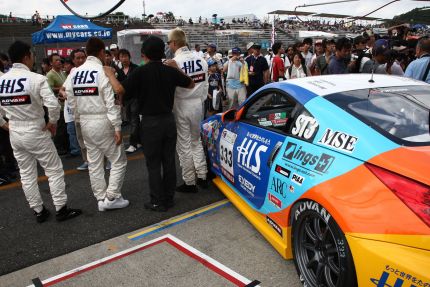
[
  {"x": 197, "y": 51},
  {"x": 258, "y": 69},
  {"x": 56, "y": 78},
  {"x": 298, "y": 69},
  {"x": 339, "y": 62},
  {"x": 45, "y": 66},
  {"x": 7, "y": 65},
  {"x": 132, "y": 106},
  {"x": 213, "y": 100},
  {"x": 278, "y": 65},
  {"x": 236, "y": 90},
  {"x": 115, "y": 53},
  {"x": 321, "y": 64},
  {"x": 318, "y": 52},
  {"x": 419, "y": 68},
  {"x": 306, "y": 53}
]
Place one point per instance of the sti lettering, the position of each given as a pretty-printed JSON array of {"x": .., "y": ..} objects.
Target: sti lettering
[{"x": 305, "y": 127}]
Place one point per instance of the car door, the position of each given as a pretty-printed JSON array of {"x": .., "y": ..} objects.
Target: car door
[{"x": 248, "y": 145}]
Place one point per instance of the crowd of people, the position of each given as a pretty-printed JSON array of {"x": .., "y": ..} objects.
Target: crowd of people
[{"x": 77, "y": 106}]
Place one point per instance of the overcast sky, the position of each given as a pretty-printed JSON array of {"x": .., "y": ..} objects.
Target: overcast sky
[{"x": 206, "y": 8}]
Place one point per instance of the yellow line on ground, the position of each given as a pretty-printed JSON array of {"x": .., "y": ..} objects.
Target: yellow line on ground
[
  {"x": 66, "y": 172},
  {"x": 176, "y": 219}
]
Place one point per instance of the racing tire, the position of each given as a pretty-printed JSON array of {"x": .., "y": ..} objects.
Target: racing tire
[{"x": 321, "y": 252}]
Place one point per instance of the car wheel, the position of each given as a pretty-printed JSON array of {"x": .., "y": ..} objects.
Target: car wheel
[{"x": 320, "y": 249}]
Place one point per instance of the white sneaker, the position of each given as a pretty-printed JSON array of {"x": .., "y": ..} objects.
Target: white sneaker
[
  {"x": 131, "y": 149},
  {"x": 139, "y": 146},
  {"x": 117, "y": 203},
  {"x": 101, "y": 205}
]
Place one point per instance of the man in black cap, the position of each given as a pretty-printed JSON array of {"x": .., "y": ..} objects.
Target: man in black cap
[
  {"x": 258, "y": 70},
  {"x": 154, "y": 86}
]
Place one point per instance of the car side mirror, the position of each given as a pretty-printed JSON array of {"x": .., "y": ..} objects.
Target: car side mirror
[{"x": 229, "y": 116}]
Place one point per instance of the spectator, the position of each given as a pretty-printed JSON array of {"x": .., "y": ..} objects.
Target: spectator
[
  {"x": 213, "y": 100},
  {"x": 419, "y": 69},
  {"x": 236, "y": 90},
  {"x": 278, "y": 66},
  {"x": 45, "y": 66},
  {"x": 339, "y": 62},
  {"x": 197, "y": 51},
  {"x": 7, "y": 65},
  {"x": 153, "y": 84},
  {"x": 115, "y": 53},
  {"x": 56, "y": 78},
  {"x": 298, "y": 69},
  {"x": 258, "y": 69},
  {"x": 132, "y": 107},
  {"x": 321, "y": 65},
  {"x": 393, "y": 67},
  {"x": 318, "y": 52},
  {"x": 306, "y": 53},
  {"x": 378, "y": 61},
  {"x": 212, "y": 54}
]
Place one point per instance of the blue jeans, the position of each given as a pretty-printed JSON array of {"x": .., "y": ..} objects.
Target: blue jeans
[{"x": 73, "y": 141}]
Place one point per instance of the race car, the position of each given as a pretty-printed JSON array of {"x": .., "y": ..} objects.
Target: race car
[{"x": 334, "y": 171}]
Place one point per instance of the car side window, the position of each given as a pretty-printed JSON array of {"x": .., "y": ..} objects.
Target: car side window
[{"x": 271, "y": 110}]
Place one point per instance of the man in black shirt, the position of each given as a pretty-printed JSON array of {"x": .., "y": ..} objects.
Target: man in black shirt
[
  {"x": 154, "y": 87},
  {"x": 258, "y": 69}
]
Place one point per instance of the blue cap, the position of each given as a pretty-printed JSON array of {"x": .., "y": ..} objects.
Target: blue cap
[
  {"x": 381, "y": 43},
  {"x": 211, "y": 62},
  {"x": 212, "y": 45},
  {"x": 236, "y": 50}
]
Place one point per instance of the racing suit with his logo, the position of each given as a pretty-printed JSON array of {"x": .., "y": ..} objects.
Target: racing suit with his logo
[
  {"x": 22, "y": 96},
  {"x": 188, "y": 110},
  {"x": 91, "y": 96}
]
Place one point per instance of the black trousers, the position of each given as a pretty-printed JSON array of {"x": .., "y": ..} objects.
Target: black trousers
[
  {"x": 158, "y": 136},
  {"x": 7, "y": 160},
  {"x": 61, "y": 139},
  {"x": 133, "y": 114}
]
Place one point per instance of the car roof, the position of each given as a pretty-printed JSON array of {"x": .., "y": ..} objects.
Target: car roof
[{"x": 331, "y": 84}]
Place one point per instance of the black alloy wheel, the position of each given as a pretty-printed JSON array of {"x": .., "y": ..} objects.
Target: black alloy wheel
[{"x": 321, "y": 252}]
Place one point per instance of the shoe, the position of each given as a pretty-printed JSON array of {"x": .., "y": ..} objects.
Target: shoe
[
  {"x": 117, "y": 203},
  {"x": 108, "y": 165},
  {"x": 203, "y": 183},
  {"x": 131, "y": 149},
  {"x": 83, "y": 166},
  {"x": 139, "y": 146},
  {"x": 4, "y": 180},
  {"x": 43, "y": 215},
  {"x": 185, "y": 188},
  {"x": 67, "y": 213},
  {"x": 155, "y": 207}
]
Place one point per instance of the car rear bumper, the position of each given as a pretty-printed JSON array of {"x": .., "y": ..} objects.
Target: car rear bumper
[{"x": 382, "y": 264}]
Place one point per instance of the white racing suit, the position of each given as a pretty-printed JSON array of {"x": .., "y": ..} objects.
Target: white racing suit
[
  {"x": 22, "y": 96},
  {"x": 188, "y": 110},
  {"x": 91, "y": 96}
]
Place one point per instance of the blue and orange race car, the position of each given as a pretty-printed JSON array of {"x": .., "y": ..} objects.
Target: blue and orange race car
[{"x": 334, "y": 171}]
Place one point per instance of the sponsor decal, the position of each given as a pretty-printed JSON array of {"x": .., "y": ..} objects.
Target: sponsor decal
[
  {"x": 285, "y": 172},
  {"x": 338, "y": 140},
  {"x": 86, "y": 91},
  {"x": 248, "y": 157},
  {"x": 15, "y": 100},
  {"x": 276, "y": 201},
  {"x": 397, "y": 279},
  {"x": 264, "y": 123},
  {"x": 258, "y": 138},
  {"x": 305, "y": 127},
  {"x": 77, "y": 34},
  {"x": 319, "y": 163},
  {"x": 277, "y": 116},
  {"x": 279, "y": 186},
  {"x": 291, "y": 188},
  {"x": 192, "y": 66},
  {"x": 312, "y": 205},
  {"x": 198, "y": 78},
  {"x": 73, "y": 26},
  {"x": 275, "y": 226},
  {"x": 297, "y": 179},
  {"x": 14, "y": 92},
  {"x": 279, "y": 122},
  {"x": 226, "y": 144},
  {"x": 85, "y": 77},
  {"x": 247, "y": 185}
]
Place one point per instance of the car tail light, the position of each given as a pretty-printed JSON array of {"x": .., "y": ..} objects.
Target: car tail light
[{"x": 414, "y": 194}]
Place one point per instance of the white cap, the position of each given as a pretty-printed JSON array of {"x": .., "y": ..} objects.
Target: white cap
[
  {"x": 113, "y": 46},
  {"x": 249, "y": 45}
]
